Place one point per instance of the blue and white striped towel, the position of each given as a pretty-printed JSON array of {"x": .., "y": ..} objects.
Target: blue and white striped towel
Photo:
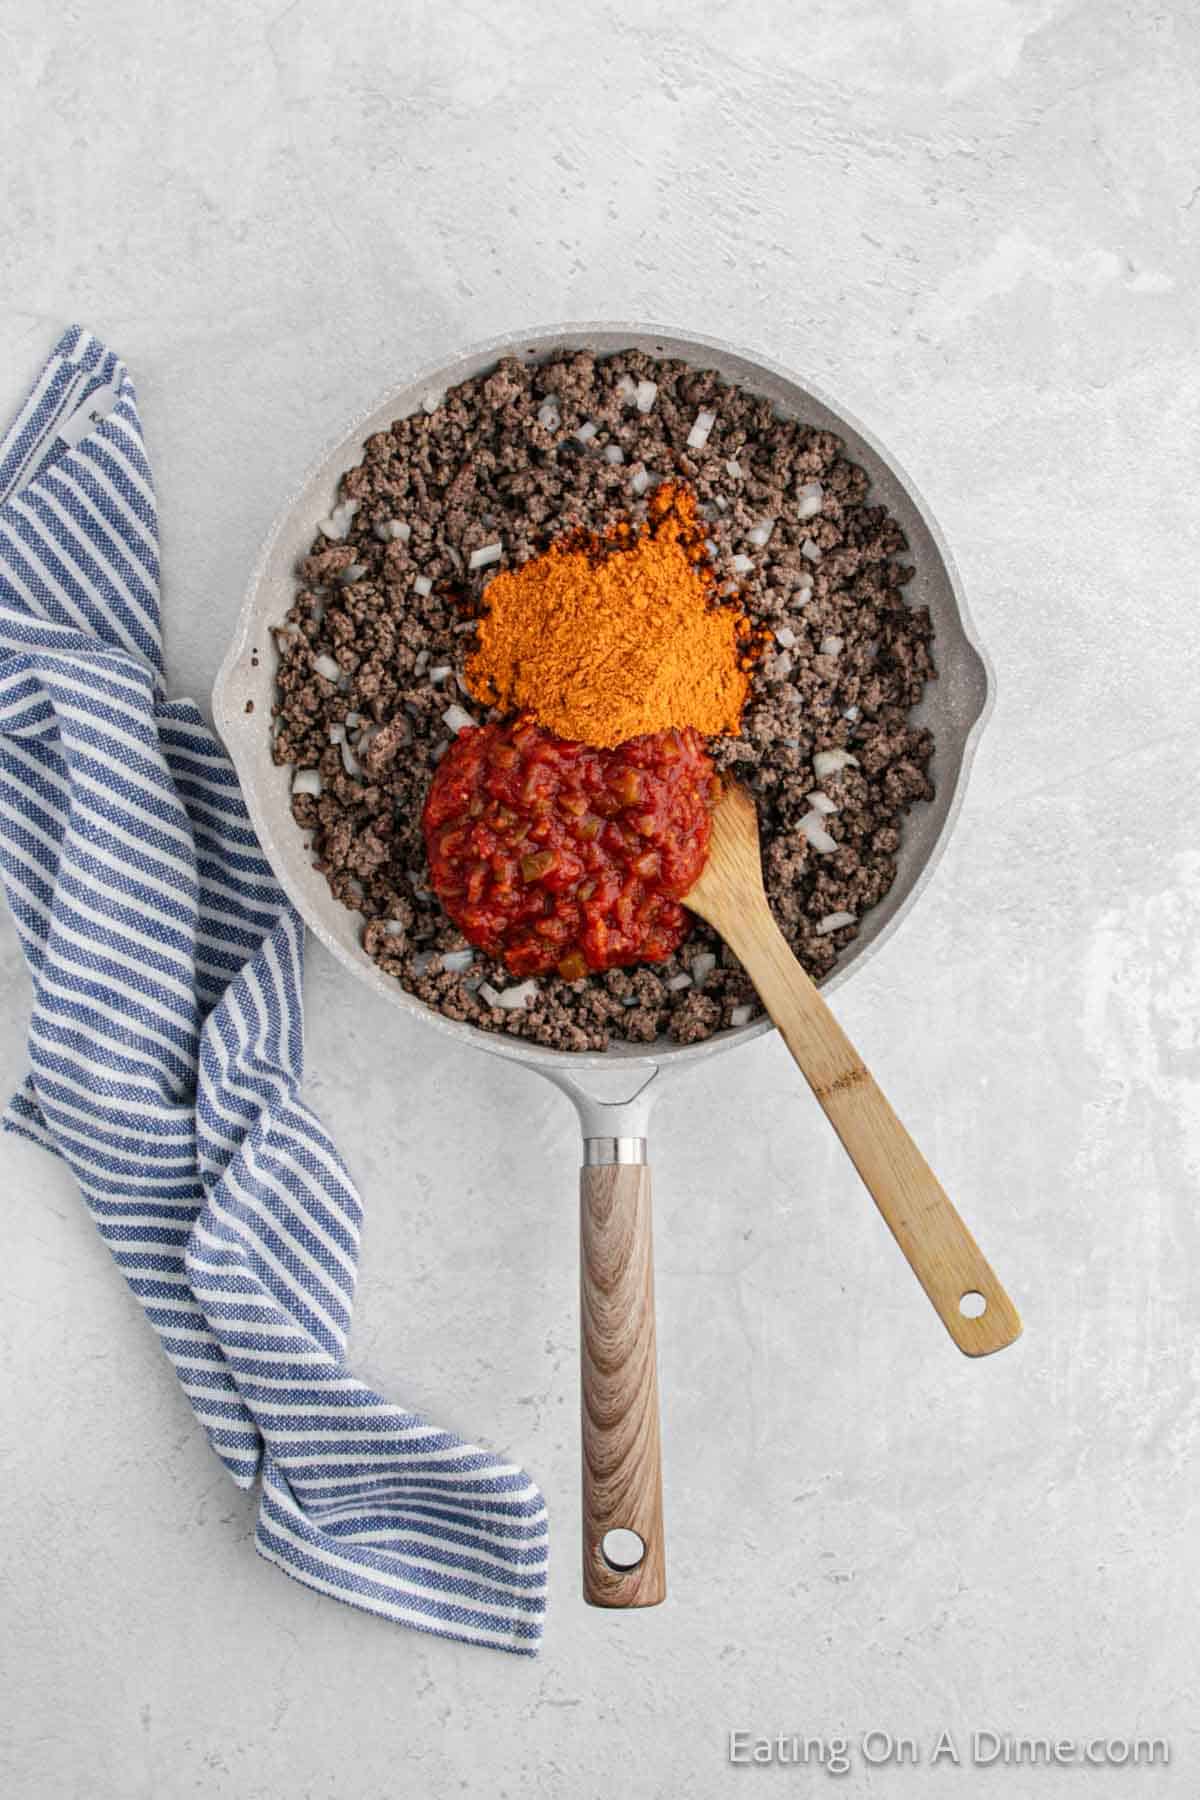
[{"x": 166, "y": 1050}]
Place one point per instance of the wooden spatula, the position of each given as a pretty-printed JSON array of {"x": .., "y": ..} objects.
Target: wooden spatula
[{"x": 943, "y": 1255}]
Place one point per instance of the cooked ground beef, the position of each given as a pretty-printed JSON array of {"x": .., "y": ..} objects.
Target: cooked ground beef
[{"x": 373, "y": 648}]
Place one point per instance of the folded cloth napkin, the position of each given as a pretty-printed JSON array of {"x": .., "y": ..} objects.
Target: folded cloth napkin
[{"x": 166, "y": 1050}]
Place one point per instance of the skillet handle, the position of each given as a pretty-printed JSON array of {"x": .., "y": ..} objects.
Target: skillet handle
[{"x": 622, "y": 1466}]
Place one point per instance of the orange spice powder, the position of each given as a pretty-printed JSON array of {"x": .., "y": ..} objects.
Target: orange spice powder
[{"x": 604, "y": 639}]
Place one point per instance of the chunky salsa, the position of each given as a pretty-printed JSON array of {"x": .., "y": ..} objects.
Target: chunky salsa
[{"x": 555, "y": 855}]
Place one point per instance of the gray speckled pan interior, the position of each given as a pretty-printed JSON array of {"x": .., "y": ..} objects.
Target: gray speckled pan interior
[{"x": 955, "y": 706}]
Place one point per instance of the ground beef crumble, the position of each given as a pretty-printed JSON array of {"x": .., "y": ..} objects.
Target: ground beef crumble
[{"x": 373, "y": 648}]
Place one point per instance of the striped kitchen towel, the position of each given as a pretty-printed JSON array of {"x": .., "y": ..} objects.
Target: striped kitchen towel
[{"x": 166, "y": 1050}]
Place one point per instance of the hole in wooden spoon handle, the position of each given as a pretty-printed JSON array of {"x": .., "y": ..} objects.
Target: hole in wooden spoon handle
[{"x": 977, "y": 1313}]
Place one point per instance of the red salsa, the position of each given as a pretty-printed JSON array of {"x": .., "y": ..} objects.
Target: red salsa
[{"x": 554, "y": 855}]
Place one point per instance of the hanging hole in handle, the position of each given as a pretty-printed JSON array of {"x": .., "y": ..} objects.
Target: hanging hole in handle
[
  {"x": 973, "y": 1305},
  {"x": 622, "y": 1550}
]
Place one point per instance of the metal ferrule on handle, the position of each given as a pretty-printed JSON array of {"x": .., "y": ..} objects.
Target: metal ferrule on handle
[{"x": 600, "y": 1151}]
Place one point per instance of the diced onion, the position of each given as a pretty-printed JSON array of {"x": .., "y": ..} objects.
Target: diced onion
[
  {"x": 820, "y": 802},
  {"x": 422, "y": 962},
  {"x": 741, "y": 1014},
  {"x": 852, "y": 713},
  {"x": 811, "y": 499},
  {"x": 812, "y": 828},
  {"x": 393, "y": 531},
  {"x": 307, "y": 781},
  {"x": 613, "y": 453},
  {"x": 785, "y": 636},
  {"x": 647, "y": 394},
  {"x": 761, "y": 534},
  {"x": 698, "y": 435},
  {"x": 627, "y": 387},
  {"x": 549, "y": 417},
  {"x": 804, "y": 595},
  {"x": 456, "y": 962},
  {"x": 350, "y": 761},
  {"x": 834, "y": 922},
  {"x": 351, "y": 573},
  {"x": 338, "y": 522},
  {"x": 639, "y": 481},
  {"x": 457, "y": 717},
  {"x": 811, "y": 549},
  {"x": 586, "y": 432},
  {"x": 734, "y": 469},
  {"x": 438, "y": 675},
  {"x": 832, "y": 646},
  {"x": 703, "y": 966},
  {"x": 677, "y": 983},
  {"x": 829, "y": 762},
  {"x": 432, "y": 401},
  {"x": 513, "y": 998},
  {"x": 741, "y": 565},
  {"x": 487, "y": 553},
  {"x": 394, "y": 928},
  {"x": 325, "y": 665},
  {"x": 422, "y": 585}
]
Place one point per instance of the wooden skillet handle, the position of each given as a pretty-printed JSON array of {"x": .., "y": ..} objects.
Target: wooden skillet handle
[{"x": 622, "y": 1468}]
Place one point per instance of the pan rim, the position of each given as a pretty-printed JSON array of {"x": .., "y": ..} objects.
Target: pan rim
[{"x": 232, "y": 723}]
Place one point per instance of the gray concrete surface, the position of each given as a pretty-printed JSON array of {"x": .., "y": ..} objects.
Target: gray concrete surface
[{"x": 976, "y": 224}]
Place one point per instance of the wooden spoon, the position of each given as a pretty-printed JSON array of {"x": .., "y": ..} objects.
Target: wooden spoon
[{"x": 941, "y": 1251}]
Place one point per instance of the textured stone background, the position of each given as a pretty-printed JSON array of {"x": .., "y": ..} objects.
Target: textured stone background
[{"x": 975, "y": 222}]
